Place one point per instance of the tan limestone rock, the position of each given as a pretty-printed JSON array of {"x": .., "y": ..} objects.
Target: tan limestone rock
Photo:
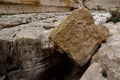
[{"x": 78, "y": 36}]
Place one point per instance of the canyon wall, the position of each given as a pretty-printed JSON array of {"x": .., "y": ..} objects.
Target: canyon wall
[
  {"x": 103, "y": 4},
  {"x": 30, "y": 6}
]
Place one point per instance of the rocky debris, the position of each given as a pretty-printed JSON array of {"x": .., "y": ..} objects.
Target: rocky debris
[
  {"x": 47, "y": 20},
  {"x": 32, "y": 6},
  {"x": 94, "y": 72},
  {"x": 105, "y": 63},
  {"x": 14, "y": 20},
  {"x": 78, "y": 36},
  {"x": 108, "y": 57},
  {"x": 26, "y": 53},
  {"x": 114, "y": 28},
  {"x": 100, "y": 4},
  {"x": 101, "y": 17},
  {"x": 20, "y": 1}
]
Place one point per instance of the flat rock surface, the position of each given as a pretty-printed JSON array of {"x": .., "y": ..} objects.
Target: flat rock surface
[{"x": 94, "y": 72}]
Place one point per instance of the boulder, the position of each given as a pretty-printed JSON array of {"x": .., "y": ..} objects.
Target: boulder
[
  {"x": 26, "y": 53},
  {"x": 22, "y": 48},
  {"x": 105, "y": 63},
  {"x": 78, "y": 36},
  {"x": 108, "y": 57}
]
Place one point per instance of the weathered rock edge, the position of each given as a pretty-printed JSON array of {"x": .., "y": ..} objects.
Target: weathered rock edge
[{"x": 78, "y": 36}]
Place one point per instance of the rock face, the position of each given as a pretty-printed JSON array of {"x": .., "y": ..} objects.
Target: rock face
[
  {"x": 108, "y": 60},
  {"x": 113, "y": 28},
  {"x": 26, "y": 53},
  {"x": 21, "y": 1},
  {"x": 105, "y": 63},
  {"x": 101, "y": 17},
  {"x": 100, "y": 4},
  {"x": 30, "y": 6},
  {"x": 94, "y": 72},
  {"x": 78, "y": 36}
]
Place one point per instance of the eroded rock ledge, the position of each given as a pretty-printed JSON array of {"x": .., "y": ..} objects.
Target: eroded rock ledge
[{"x": 26, "y": 53}]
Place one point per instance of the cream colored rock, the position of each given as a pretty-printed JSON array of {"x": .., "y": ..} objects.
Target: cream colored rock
[
  {"x": 109, "y": 56},
  {"x": 21, "y": 1},
  {"x": 101, "y": 4},
  {"x": 94, "y": 72},
  {"x": 78, "y": 36},
  {"x": 105, "y": 64},
  {"x": 114, "y": 28},
  {"x": 25, "y": 50},
  {"x": 100, "y": 17}
]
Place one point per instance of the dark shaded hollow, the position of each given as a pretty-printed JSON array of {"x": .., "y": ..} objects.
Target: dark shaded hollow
[{"x": 60, "y": 63}]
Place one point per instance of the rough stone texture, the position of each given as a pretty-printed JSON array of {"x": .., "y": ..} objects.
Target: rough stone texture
[
  {"x": 30, "y": 6},
  {"x": 94, "y": 72},
  {"x": 113, "y": 28},
  {"x": 107, "y": 59},
  {"x": 28, "y": 60},
  {"x": 44, "y": 19},
  {"x": 100, "y": 4},
  {"x": 26, "y": 53},
  {"x": 78, "y": 36},
  {"x": 35, "y": 2},
  {"x": 100, "y": 17}
]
